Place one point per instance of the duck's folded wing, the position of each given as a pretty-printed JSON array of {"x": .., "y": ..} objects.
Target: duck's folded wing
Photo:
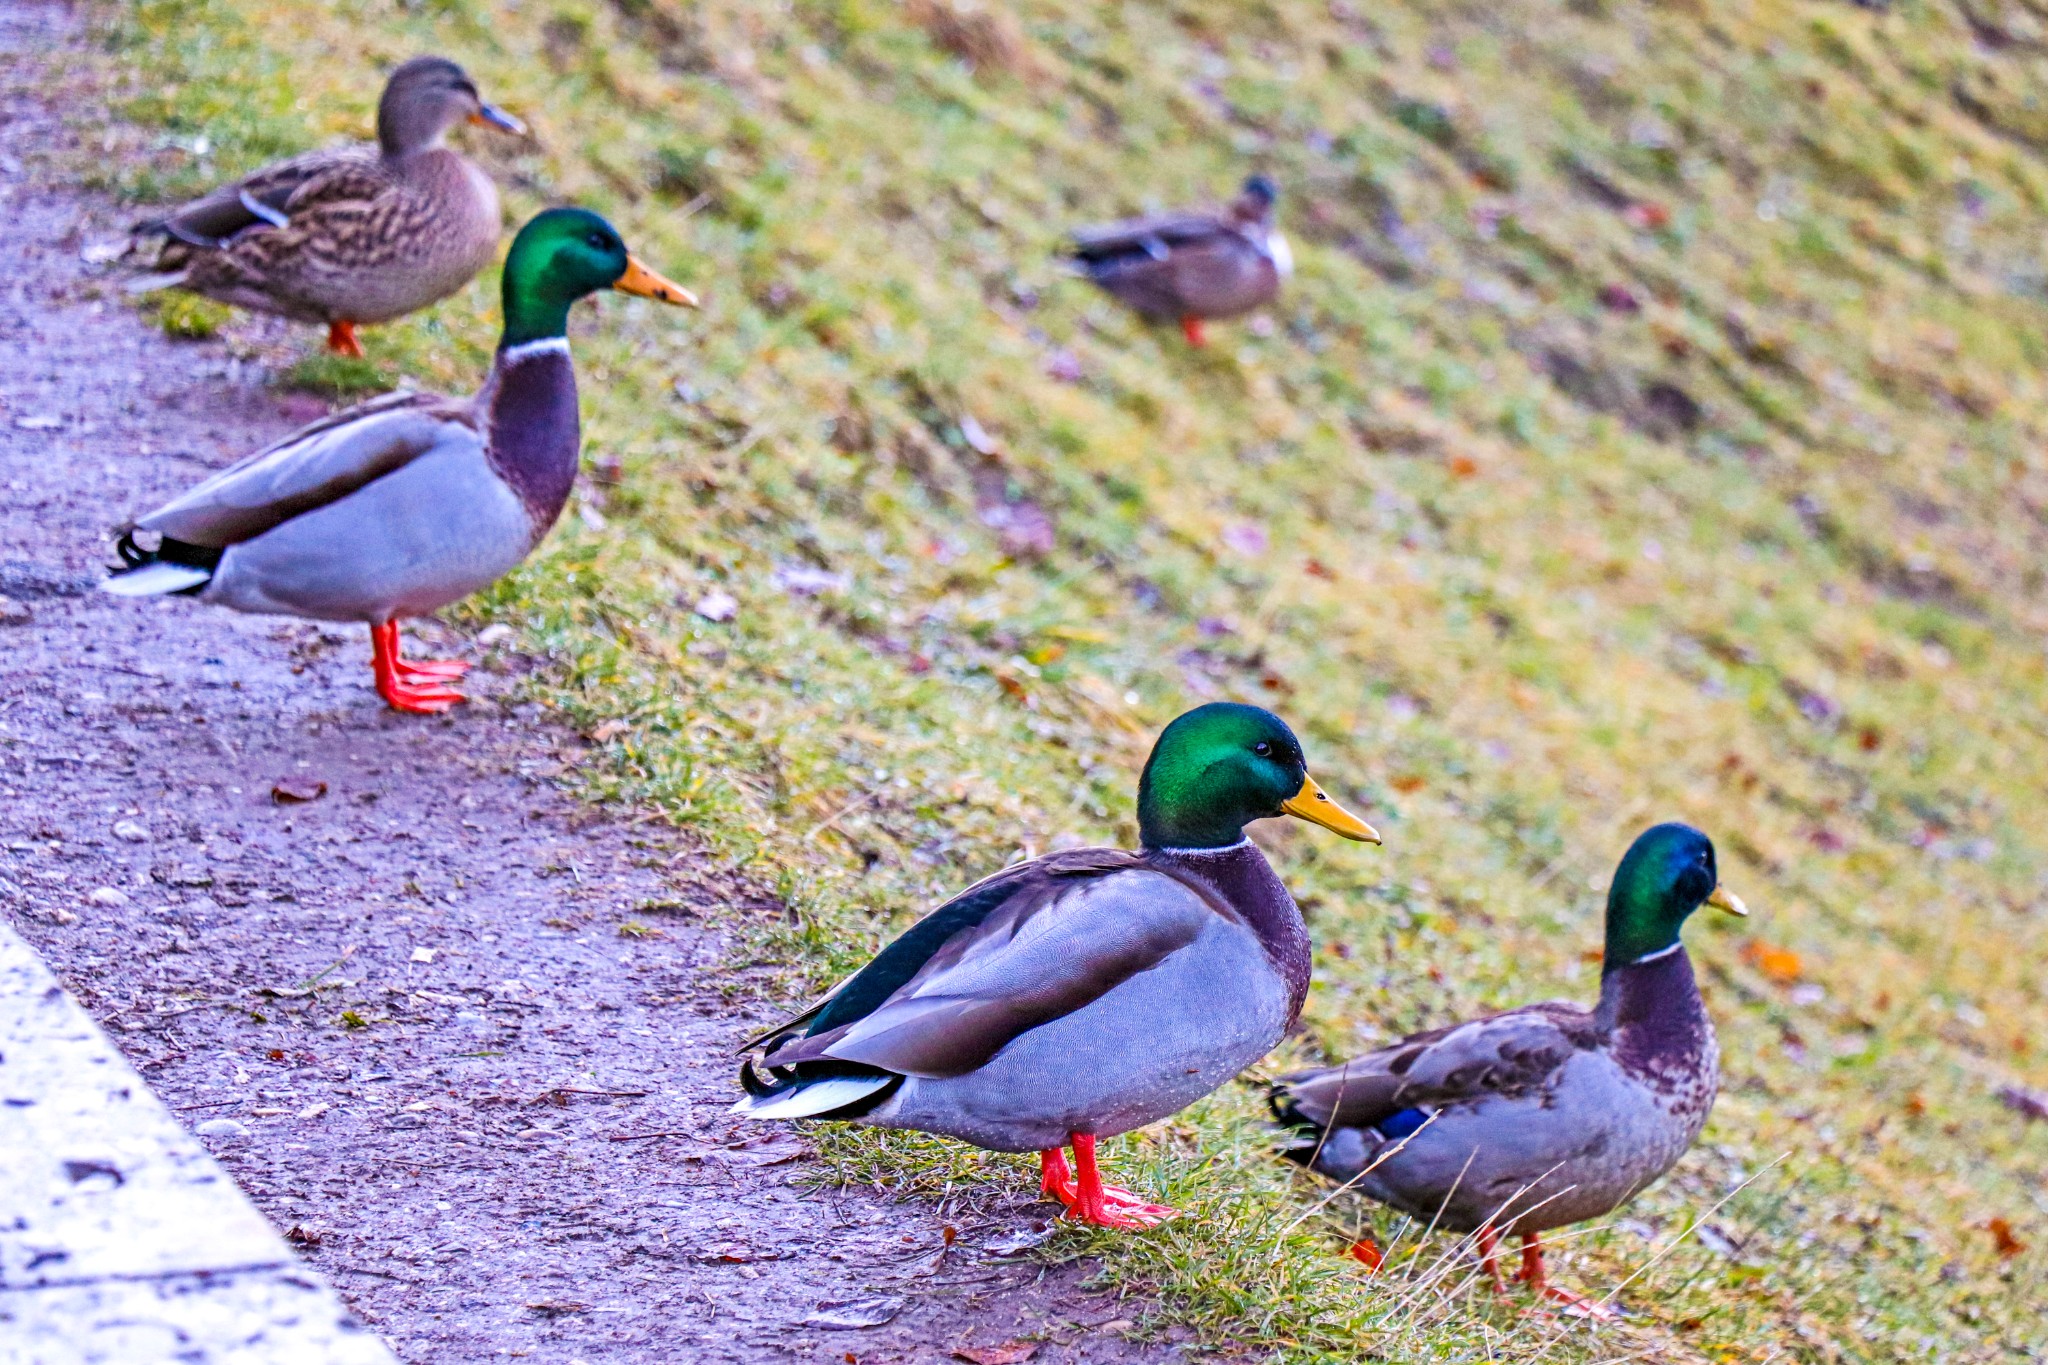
[
  {"x": 1505, "y": 1054},
  {"x": 1050, "y": 945},
  {"x": 311, "y": 468},
  {"x": 1146, "y": 235},
  {"x": 213, "y": 219},
  {"x": 343, "y": 183}
]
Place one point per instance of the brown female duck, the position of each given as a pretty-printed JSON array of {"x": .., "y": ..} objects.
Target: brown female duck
[
  {"x": 1192, "y": 266},
  {"x": 350, "y": 235}
]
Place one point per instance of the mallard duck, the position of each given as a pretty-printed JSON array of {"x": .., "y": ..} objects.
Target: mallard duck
[
  {"x": 1082, "y": 994},
  {"x": 1195, "y": 265},
  {"x": 1549, "y": 1114},
  {"x": 355, "y": 234},
  {"x": 412, "y": 500}
]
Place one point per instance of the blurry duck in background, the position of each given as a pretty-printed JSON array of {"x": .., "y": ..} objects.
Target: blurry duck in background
[
  {"x": 349, "y": 235},
  {"x": 410, "y": 501},
  {"x": 1193, "y": 266},
  {"x": 1082, "y": 994},
  {"x": 1545, "y": 1115}
]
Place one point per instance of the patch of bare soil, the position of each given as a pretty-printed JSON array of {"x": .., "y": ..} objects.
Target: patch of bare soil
[{"x": 379, "y": 962}]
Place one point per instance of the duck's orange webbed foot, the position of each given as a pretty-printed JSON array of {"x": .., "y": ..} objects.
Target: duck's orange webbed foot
[
  {"x": 431, "y": 670},
  {"x": 422, "y": 688},
  {"x": 1191, "y": 328},
  {"x": 341, "y": 339},
  {"x": 1090, "y": 1201},
  {"x": 1573, "y": 1305}
]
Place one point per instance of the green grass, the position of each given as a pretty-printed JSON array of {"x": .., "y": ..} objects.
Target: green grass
[
  {"x": 187, "y": 317},
  {"x": 1652, "y": 431}
]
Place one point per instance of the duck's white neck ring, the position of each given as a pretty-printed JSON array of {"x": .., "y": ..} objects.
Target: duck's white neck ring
[
  {"x": 512, "y": 355},
  {"x": 1208, "y": 852},
  {"x": 1652, "y": 957}
]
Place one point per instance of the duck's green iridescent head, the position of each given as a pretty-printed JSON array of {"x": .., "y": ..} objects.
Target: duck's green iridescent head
[
  {"x": 562, "y": 255},
  {"x": 1221, "y": 766},
  {"x": 1667, "y": 873}
]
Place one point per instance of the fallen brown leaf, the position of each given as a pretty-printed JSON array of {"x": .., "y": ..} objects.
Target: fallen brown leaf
[
  {"x": 2001, "y": 1235},
  {"x": 1009, "y": 1353},
  {"x": 1779, "y": 964},
  {"x": 294, "y": 791}
]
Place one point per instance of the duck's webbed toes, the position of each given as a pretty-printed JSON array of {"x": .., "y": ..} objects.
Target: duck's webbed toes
[{"x": 418, "y": 697}]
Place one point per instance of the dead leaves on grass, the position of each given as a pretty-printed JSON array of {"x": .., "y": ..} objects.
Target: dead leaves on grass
[
  {"x": 1781, "y": 965},
  {"x": 1008, "y": 1353}
]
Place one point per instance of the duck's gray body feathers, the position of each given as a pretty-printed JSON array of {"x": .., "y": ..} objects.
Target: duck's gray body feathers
[
  {"x": 1098, "y": 992},
  {"x": 393, "y": 508},
  {"x": 1543, "y": 1116}
]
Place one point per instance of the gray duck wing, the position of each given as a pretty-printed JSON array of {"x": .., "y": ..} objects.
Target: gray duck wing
[
  {"x": 312, "y": 467},
  {"x": 211, "y": 220},
  {"x": 1052, "y": 941},
  {"x": 1511, "y": 1053},
  {"x": 1145, "y": 235}
]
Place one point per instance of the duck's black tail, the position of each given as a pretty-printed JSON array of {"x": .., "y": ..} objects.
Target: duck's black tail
[
  {"x": 815, "y": 1090},
  {"x": 1304, "y": 1135},
  {"x": 173, "y": 567}
]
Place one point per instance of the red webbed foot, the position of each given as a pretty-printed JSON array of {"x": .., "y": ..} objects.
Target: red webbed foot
[
  {"x": 1090, "y": 1201},
  {"x": 1117, "y": 1208},
  {"x": 1055, "y": 1181},
  {"x": 341, "y": 339},
  {"x": 1570, "y": 1304},
  {"x": 431, "y": 670},
  {"x": 420, "y": 688},
  {"x": 1191, "y": 328}
]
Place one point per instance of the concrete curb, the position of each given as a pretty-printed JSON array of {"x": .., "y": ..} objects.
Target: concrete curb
[{"x": 121, "y": 1242}]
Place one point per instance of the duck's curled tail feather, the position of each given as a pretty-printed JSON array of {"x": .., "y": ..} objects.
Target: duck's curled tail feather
[
  {"x": 174, "y": 566},
  {"x": 835, "y": 1091}
]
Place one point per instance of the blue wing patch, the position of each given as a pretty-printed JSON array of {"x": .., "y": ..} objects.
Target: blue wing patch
[{"x": 1394, "y": 1127}]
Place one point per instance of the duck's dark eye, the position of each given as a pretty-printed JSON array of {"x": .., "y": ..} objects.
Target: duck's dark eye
[{"x": 1264, "y": 749}]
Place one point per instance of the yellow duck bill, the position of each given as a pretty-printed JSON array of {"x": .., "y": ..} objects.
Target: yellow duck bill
[
  {"x": 1314, "y": 805},
  {"x": 651, "y": 284},
  {"x": 1721, "y": 898}
]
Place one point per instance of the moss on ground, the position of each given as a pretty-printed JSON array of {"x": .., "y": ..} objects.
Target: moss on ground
[{"x": 1653, "y": 430}]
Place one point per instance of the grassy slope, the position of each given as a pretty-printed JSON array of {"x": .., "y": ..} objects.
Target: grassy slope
[{"x": 1753, "y": 544}]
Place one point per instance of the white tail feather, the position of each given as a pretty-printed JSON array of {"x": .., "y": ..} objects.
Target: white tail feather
[
  {"x": 820, "y": 1097},
  {"x": 149, "y": 284},
  {"x": 152, "y": 580}
]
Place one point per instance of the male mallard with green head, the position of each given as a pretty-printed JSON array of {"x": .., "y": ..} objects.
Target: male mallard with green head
[
  {"x": 350, "y": 235},
  {"x": 1194, "y": 265},
  {"x": 412, "y": 500},
  {"x": 1082, "y": 994},
  {"x": 1545, "y": 1115}
]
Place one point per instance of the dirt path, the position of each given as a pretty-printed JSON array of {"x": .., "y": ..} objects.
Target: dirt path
[{"x": 452, "y": 1162}]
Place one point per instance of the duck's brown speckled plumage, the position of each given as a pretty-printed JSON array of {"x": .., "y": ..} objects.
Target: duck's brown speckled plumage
[
  {"x": 369, "y": 232},
  {"x": 1191, "y": 264}
]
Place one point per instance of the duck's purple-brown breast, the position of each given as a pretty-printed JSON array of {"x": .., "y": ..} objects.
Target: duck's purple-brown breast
[
  {"x": 535, "y": 430},
  {"x": 1661, "y": 1030},
  {"x": 1240, "y": 877}
]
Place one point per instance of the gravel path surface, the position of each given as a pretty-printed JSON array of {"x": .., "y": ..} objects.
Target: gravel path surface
[{"x": 402, "y": 1013}]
